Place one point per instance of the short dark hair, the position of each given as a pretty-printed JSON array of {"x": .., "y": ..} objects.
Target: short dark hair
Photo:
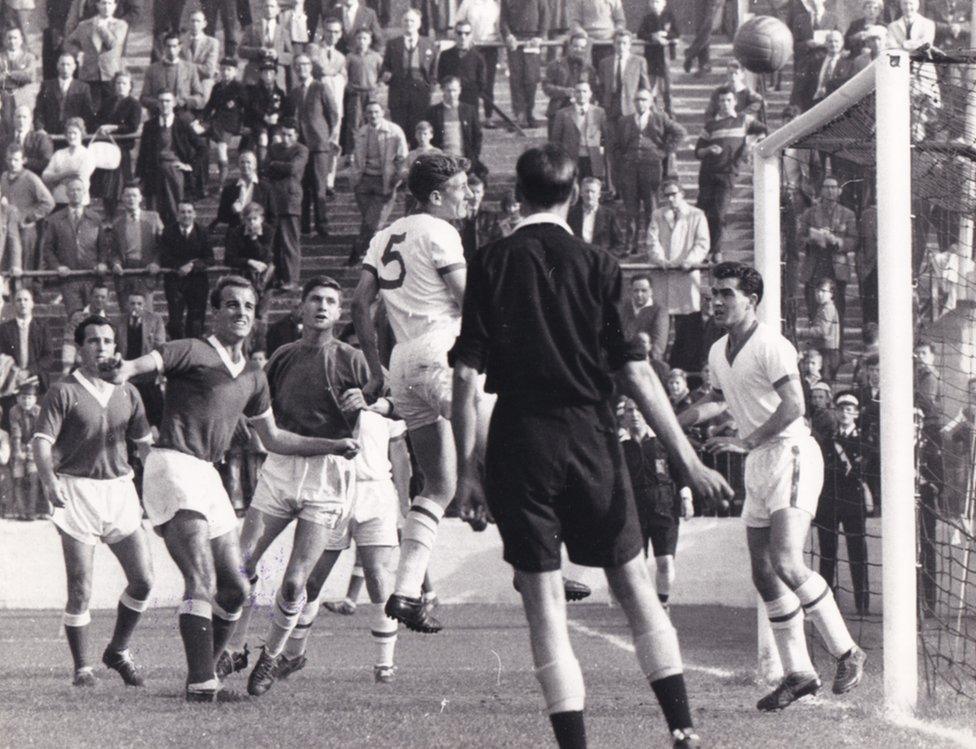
[
  {"x": 671, "y": 182},
  {"x": 431, "y": 171},
  {"x": 449, "y": 79},
  {"x": 724, "y": 91},
  {"x": 229, "y": 281},
  {"x": 474, "y": 180},
  {"x": 545, "y": 176},
  {"x": 315, "y": 281},
  {"x": 827, "y": 283},
  {"x": 872, "y": 360},
  {"x": 750, "y": 280},
  {"x": 170, "y": 35},
  {"x": 83, "y": 325},
  {"x": 639, "y": 277}
]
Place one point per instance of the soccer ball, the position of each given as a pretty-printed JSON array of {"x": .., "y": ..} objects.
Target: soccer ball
[{"x": 763, "y": 44}]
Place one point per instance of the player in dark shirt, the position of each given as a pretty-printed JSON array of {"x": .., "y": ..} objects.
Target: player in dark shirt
[
  {"x": 210, "y": 383},
  {"x": 541, "y": 319},
  {"x": 80, "y": 448}
]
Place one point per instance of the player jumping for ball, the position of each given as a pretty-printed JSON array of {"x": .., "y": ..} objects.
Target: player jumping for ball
[
  {"x": 755, "y": 375},
  {"x": 80, "y": 448},
  {"x": 209, "y": 385}
]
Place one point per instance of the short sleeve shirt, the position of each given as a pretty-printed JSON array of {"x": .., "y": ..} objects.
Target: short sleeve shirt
[
  {"x": 206, "y": 394},
  {"x": 748, "y": 378},
  {"x": 89, "y": 427},
  {"x": 306, "y": 383},
  {"x": 410, "y": 259},
  {"x": 375, "y": 433}
]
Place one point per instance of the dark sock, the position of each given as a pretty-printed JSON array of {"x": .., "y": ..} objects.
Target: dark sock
[
  {"x": 663, "y": 598},
  {"x": 125, "y": 623},
  {"x": 569, "y": 729},
  {"x": 222, "y": 630},
  {"x": 673, "y": 699},
  {"x": 78, "y": 644},
  {"x": 197, "y": 634}
]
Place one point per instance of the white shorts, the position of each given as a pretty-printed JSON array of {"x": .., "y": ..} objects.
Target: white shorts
[
  {"x": 420, "y": 380},
  {"x": 318, "y": 489},
  {"x": 174, "y": 481},
  {"x": 781, "y": 474},
  {"x": 374, "y": 518},
  {"x": 104, "y": 510}
]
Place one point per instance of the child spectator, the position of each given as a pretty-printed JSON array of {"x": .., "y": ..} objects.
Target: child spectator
[
  {"x": 660, "y": 33},
  {"x": 824, "y": 330},
  {"x": 223, "y": 112},
  {"x": 511, "y": 213},
  {"x": 28, "y": 498},
  {"x": 363, "y": 70},
  {"x": 424, "y": 133}
]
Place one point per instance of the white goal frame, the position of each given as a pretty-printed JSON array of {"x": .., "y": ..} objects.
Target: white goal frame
[{"x": 889, "y": 78}]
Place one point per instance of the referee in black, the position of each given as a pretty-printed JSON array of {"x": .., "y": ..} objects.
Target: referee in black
[{"x": 541, "y": 319}]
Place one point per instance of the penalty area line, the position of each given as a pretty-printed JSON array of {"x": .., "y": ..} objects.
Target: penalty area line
[
  {"x": 620, "y": 642},
  {"x": 958, "y": 736}
]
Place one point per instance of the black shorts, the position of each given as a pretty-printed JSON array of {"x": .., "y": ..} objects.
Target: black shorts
[
  {"x": 659, "y": 520},
  {"x": 663, "y": 538},
  {"x": 557, "y": 476}
]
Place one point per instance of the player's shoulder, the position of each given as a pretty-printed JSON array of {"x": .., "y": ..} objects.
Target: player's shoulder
[{"x": 717, "y": 348}]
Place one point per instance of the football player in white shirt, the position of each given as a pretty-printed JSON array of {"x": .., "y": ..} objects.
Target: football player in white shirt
[
  {"x": 417, "y": 266},
  {"x": 755, "y": 375}
]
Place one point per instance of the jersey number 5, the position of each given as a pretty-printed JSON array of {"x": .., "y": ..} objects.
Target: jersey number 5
[{"x": 393, "y": 256}]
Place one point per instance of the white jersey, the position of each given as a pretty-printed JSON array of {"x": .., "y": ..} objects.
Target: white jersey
[
  {"x": 410, "y": 258},
  {"x": 375, "y": 433},
  {"x": 748, "y": 378}
]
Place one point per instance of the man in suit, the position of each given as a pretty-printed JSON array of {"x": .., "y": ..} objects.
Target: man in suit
[
  {"x": 830, "y": 67},
  {"x": 101, "y": 41},
  {"x": 640, "y": 315},
  {"x": 70, "y": 242},
  {"x": 523, "y": 25},
  {"x": 201, "y": 51},
  {"x": 804, "y": 18},
  {"x": 132, "y": 241},
  {"x": 268, "y": 38},
  {"x": 27, "y": 341},
  {"x": 25, "y": 192},
  {"x": 594, "y": 223},
  {"x": 457, "y": 127},
  {"x": 480, "y": 226},
  {"x": 331, "y": 69},
  {"x": 642, "y": 144},
  {"x": 63, "y": 98},
  {"x": 137, "y": 333},
  {"x": 581, "y": 129},
  {"x": 249, "y": 188},
  {"x": 285, "y": 167},
  {"x": 185, "y": 246},
  {"x": 409, "y": 66},
  {"x": 465, "y": 63},
  {"x": 36, "y": 145},
  {"x": 912, "y": 30},
  {"x": 169, "y": 148},
  {"x": 353, "y": 15},
  {"x": 173, "y": 75},
  {"x": 317, "y": 115},
  {"x": 621, "y": 76},
  {"x": 378, "y": 157},
  {"x": 566, "y": 72}
]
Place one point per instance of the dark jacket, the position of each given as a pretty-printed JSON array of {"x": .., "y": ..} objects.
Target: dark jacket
[
  {"x": 317, "y": 115},
  {"x": 606, "y": 229},
  {"x": 39, "y": 353},
  {"x": 51, "y": 109},
  {"x": 37, "y": 149},
  {"x": 470, "y": 129},
  {"x": 469, "y": 67},
  {"x": 393, "y": 60},
  {"x": 239, "y": 248},
  {"x": 124, "y": 112},
  {"x": 261, "y": 194},
  {"x": 284, "y": 167},
  {"x": 177, "y": 250},
  {"x": 187, "y": 145}
]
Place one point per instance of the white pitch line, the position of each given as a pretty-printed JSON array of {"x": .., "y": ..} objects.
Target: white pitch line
[
  {"x": 959, "y": 736},
  {"x": 626, "y": 645}
]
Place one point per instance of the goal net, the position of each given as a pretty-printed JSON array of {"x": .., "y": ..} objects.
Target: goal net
[{"x": 864, "y": 224}]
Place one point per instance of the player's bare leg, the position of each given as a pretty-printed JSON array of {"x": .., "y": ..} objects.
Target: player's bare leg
[
  {"x": 434, "y": 449},
  {"x": 233, "y": 588},
  {"x": 78, "y": 558},
  {"x": 307, "y": 547},
  {"x": 347, "y": 606},
  {"x": 556, "y": 667},
  {"x": 377, "y": 562},
  {"x": 790, "y": 528},
  {"x": 133, "y": 555},
  {"x": 656, "y": 645},
  {"x": 293, "y": 657},
  {"x": 259, "y": 531}
]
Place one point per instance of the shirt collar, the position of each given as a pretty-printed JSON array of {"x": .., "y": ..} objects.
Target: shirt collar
[
  {"x": 234, "y": 369},
  {"x": 247, "y": 182},
  {"x": 23, "y": 323},
  {"x": 103, "y": 397},
  {"x": 544, "y": 217}
]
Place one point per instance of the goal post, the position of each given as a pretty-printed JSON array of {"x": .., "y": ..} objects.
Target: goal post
[{"x": 888, "y": 78}]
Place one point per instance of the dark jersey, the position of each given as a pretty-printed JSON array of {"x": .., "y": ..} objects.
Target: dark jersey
[{"x": 205, "y": 397}]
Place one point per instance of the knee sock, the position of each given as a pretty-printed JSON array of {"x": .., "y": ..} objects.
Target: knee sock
[
  {"x": 786, "y": 620},
  {"x": 129, "y": 611},
  {"x": 238, "y": 637},
  {"x": 298, "y": 640},
  {"x": 384, "y": 632},
  {"x": 660, "y": 660},
  {"x": 196, "y": 629},
  {"x": 224, "y": 623},
  {"x": 663, "y": 580},
  {"x": 421, "y": 529},
  {"x": 283, "y": 621},
  {"x": 76, "y": 630},
  {"x": 819, "y": 604},
  {"x": 562, "y": 687}
]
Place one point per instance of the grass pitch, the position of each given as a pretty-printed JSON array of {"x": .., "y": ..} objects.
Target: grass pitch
[{"x": 471, "y": 685}]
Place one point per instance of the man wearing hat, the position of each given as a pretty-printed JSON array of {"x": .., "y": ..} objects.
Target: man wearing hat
[
  {"x": 284, "y": 167},
  {"x": 845, "y": 502}
]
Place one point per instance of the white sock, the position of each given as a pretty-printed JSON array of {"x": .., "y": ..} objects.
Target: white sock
[
  {"x": 239, "y": 637},
  {"x": 819, "y": 604},
  {"x": 786, "y": 620},
  {"x": 658, "y": 652},
  {"x": 283, "y": 621},
  {"x": 562, "y": 684},
  {"x": 384, "y": 632},
  {"x": 421, "y": 529},
  {"x": 298, "y": 640}
]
